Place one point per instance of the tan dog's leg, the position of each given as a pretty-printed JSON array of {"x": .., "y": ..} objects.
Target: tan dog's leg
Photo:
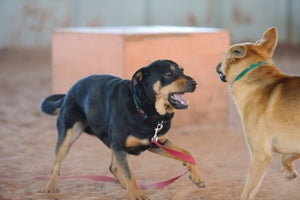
[
  {"x": 287, "y": 161},
  {"x": 194, "y": 173},
  {"x": 260, "y": 163},
  {"x": 61, "y": 151},
  {"x": 121, "y": 169}
]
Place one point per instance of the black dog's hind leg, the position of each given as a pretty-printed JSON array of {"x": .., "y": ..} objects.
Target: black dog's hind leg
[
  {"x": 121, "y": 169},
  {"x": 64, "y": 143}
]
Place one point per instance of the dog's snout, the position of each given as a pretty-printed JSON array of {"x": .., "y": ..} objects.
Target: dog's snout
[
  {"x": 221, "y": 74},
  {"x": 192, "y": 84},
  {"x": 218, "y": 67}
]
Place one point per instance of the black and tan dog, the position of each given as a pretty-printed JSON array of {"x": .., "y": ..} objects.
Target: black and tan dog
[
  {"x": 123, "y": 115},
  {"x": 269, "y": 105}
]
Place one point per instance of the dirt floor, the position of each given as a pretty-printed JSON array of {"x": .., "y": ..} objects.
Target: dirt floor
[{"x": 28, "y": 138}]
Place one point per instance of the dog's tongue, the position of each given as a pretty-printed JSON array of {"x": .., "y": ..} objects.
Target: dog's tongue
[{"x": 180, "y": 98}]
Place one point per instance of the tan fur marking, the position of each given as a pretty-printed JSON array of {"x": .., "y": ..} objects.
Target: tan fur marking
[
  {"x": 61, "y": 152},
  {"x": 162, "y": 138},
  {"x": 115, "y": 170},
  {"x": 133, "y": 141},
  {"x": 162, "y": 104},
  {"x": 172, "y": 68},
  {"x": 137, "y": 77},
  {"x": 130, "y": 184}
]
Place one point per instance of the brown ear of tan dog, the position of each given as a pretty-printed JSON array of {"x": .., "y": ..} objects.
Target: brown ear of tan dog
[{"x": 268, "y": 102}]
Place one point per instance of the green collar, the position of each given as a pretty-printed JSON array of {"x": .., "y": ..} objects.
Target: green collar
[
  {"x": 243, "y": 73},
  {"x": 138, "y": 108}
]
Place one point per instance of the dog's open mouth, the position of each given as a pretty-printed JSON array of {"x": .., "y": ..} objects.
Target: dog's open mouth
[{"x": 178, "y": 101}]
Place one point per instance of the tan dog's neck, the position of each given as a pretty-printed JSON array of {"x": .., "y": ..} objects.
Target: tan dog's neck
[
  {"x": 251, "y": 67},
  {"x": 251, "y": 86}
]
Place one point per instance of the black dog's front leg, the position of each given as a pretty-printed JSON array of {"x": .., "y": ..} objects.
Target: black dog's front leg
[
  {"x": 121, "y": 169},
  {"x": 192, "y": 168}
]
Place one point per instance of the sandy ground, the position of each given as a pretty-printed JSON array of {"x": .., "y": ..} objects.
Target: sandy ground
[{"x": 28, "y": 138}]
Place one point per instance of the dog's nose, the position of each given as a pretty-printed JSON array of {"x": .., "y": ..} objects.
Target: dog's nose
[
  {"x": 222, "y": 77},
  {"x": 192, "y": 84}
]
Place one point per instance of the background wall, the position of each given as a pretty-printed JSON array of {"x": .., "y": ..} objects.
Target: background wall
[{"x": 30, "y": 23}]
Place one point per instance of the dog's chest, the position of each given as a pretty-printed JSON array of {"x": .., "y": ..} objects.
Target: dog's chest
[{"x": 141, "y": 140}]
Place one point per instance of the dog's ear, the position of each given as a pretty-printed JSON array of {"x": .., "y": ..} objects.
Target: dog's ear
[
  {"x": 237, "y": 52},
  {"x": 140, "y": 76},
  {"x": 269, "y": 41}
]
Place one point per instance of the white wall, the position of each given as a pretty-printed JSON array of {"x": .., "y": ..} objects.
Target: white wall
[{"x": 30, "y": 23}]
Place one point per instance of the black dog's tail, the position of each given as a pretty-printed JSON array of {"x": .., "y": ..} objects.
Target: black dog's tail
[{"x": 51, "y": 104}]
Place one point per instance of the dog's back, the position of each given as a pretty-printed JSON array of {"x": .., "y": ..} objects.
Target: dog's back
[
  {"x": 89, "y": 102},
  {"x": 272, "y": 92}
]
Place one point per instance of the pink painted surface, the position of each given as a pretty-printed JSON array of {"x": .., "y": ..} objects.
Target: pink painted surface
[{"x": 78, "y": 52}]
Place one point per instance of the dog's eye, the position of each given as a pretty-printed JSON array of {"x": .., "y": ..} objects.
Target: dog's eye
[{"x": 237, "y": 52}]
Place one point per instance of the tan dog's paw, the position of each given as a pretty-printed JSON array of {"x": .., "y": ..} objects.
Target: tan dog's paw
[
  {"x": 290, "y": 174},
  {"x": 288, "y": 168}
]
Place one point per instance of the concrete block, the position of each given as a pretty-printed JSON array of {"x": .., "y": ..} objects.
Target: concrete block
[{"x": 79, "y": 52}]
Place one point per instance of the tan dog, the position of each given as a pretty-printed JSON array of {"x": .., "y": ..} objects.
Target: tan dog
[{"x": 269, "y": 105}]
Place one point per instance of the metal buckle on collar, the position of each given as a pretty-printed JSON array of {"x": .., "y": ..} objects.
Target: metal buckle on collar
[{"x": 156, "y": 130}]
